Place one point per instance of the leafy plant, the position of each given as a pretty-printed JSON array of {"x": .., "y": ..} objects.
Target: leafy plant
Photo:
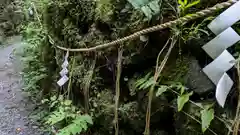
[
  {"x": 185, "y": 5},
  {"x": 104, "y": 9},
  {"x": 148, "y": 7},
  {"x": 33, "y": 68},
  {"x": 65, "y": 112},
  {"x": 207, "y": 115},
  {"x": 161, "y": 90},
  {"x": 183, "y": 99},
  {"x": 145, "y": 82},
  {"x": 78, "y": 125},
  {"x": 195, "y": 31}
]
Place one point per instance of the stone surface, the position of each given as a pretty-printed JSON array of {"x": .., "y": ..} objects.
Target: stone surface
[{"x": 196, "y": 80}]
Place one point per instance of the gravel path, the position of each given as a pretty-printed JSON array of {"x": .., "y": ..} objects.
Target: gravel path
[{"x": 14, "y": 105}]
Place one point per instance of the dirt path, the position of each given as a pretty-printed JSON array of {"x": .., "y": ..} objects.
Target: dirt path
[{"x": 14, "y": 107}]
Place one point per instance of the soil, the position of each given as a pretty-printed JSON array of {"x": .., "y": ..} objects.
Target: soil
[{"x": 15, "y": 106}]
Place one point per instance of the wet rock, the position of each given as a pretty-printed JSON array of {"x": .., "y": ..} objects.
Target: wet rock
[{"x": 196, "y": 80}]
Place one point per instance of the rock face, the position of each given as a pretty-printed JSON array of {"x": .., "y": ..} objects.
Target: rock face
[{"x": 196, "y": 80}]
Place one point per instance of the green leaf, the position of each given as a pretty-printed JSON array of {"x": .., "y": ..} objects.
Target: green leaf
[
  {"x": 55, "y": 117},
  {"x": 182, "y": 90},
  {"x": 53, "y": 104},
  {"x": 161, "y": 90},
  {"x": 207, "y": 115},
  {"x": 192, "y": 4},
  {"x": 147, "y": 76},
  {"x": 44, "y": 101},
  {"x": 77, "y": 126},
  {"x": 67, "y": 102},
  {"x": 154, "y": 5},
  {"x": 180, "y": 2},
  {"x": 182, "y": 100},
  {"x": 53, "y": 98},
  {"x": 60, "y": 98},
  {"x": 185, "y": 2},
  {"x": 138, "y": 3},
  {"x": 147, "y": 84},
  {"x": 87, "y": 118}
]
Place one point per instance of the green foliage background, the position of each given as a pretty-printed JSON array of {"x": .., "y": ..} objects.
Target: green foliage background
[{"x": 87, "y": 23}]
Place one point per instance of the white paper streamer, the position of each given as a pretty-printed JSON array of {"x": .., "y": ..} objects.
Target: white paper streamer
[
  {"x": 223, "y": 88},
  {"x": 226, "y": 19},
  {"x": 219, "y": 66},
  {"x": 62, "y": 81},
  {"x": 216, "y": 49},
  {"x": 64, "y": 72},
  {"x": 224, "y": 40},
  {"x": 65, "y": 64}
]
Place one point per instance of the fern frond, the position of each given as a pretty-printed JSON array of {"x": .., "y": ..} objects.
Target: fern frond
[{"x": 78, "y": 125}]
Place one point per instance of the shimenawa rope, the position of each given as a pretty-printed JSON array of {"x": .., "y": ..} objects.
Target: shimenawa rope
[{"x": 135, "y": 35}]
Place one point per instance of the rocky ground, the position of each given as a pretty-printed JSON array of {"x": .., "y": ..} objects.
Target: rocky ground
[{"x": 14, "y": 104}]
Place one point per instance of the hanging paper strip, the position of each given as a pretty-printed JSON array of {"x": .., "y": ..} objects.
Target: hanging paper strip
[
  {"x": 64, "y": 78},
  {"x": 216, "y": 49}
]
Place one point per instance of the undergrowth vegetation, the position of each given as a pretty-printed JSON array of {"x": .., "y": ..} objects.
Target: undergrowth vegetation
[
  {"x": 11, "y": 17},
  {"x": 147, "y": 80}
]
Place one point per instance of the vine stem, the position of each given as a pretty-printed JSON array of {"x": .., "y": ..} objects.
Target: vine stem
[
  {"x": 88, "y": 83},
  {"x": 70, "y": 80},
  {"x": 158, "y": 71},
  {"x": 190, "y": 116},
  {"x": 192, "y": 102},
  {"x": 237, "y": 117},
  {"x": 119, "y": 71}
]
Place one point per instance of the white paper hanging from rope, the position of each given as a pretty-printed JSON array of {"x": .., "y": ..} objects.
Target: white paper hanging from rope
[
  {"x": 62, "y": 81},
  {"x": 63, "y": 72},
  {"x": 223, "y": 88},
  {"x": 219, "y": 66},
  {"x": 65, "y": 64},
  {"x": 226, "y": 19},
  {"x": 224, "y": 40}
]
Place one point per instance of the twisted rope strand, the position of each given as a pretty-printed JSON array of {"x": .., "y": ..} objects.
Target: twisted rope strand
[{"x": 135, "y": 35}]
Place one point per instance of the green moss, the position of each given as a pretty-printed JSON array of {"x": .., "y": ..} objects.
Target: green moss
[
  {"x": 104, "y": 10},
  {"x": 176, "y": 70}
]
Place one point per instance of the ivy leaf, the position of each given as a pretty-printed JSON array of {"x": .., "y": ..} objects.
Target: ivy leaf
[
  {"x": 161, "y": 90},
  {"x": 207, "y": 115},
  {"x": 182, "y": 100}
]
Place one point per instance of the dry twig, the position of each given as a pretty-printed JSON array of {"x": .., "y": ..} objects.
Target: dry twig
[{"x": 156, "y": 75}]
